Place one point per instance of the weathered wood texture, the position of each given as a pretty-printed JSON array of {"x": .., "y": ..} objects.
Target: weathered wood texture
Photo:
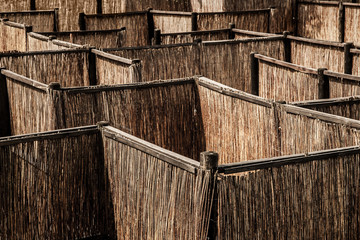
[
  {"x": 68, "y": 11},
  {"x": 341, "y": 86},
  {"x": 352, "y": 27},
  {"x": 98, "y": 39},
  {"x": 137, "y": 30},
  {"x": 154, "y": 199},
  {"x": 317, "y": 56},
  {"x": 345, "y": 107},
  {"x": 225, "y": 62},
  {"x": 234, "y": 127},
  {"x": 70, "y": 69},
  {"x": 16, "y": 37},
  {"x": 189, "y": 37},
  {"x": 250, "y": 20},
  {"x": 114, "y": 6},
  {"x": 167, "y": 115},
  {"x": 311, "y": 200},
  {"x": 53, "y": 189},
  {"x": 110, "y": 72},
  {"x": 39, "y": 20},
  {"x": 282, "y": 83},
  {"x": 173, "y": 23},
  {"x": 318, "y": 21}
]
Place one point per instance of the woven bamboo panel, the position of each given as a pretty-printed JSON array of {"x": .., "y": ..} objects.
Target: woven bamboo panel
[
  {"x": 116, "y": 6},
  {"x": 172, "y": 23},
  {"x": 340, "y": 87},
  {"x": 40, "y": 21},
  {"x": 352, "y": 18},
  {"x": 348, "y": 109},
  {"x": 15, "y": 38},
  {"x": 191, "y": 37}
]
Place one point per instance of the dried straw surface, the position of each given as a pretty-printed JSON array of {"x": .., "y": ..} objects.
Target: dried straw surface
[
  {"x": 40, "y": 21},
  {"x": 165, "y": 62},
  {"x": 352, "y": 24},
  {"x": 172, "y": 23},
  {"x": 285, "y": 84},
  {"x": 300, "y": 134},
  {"x": 53, "y": 189},
  {"x": 35, "y": 44},
  {"x": 11, "y": 6},
  {"x": 317, "y": 56},
  {"x": 237, "y": 129},
  {"x": 318, "y": 21},
  {"x": 110, "y": 39},
  {"x": 356, "y": 64},
  {"x": 68, "y": 11},
  {"x": 137, "y": 33},
  {"x": 342, "y": 87},
  {"x": 312, "y": 200},
  {"x": 154, "y": 199},
  {"x": 229, "y": 63},
  {"x": 254, "y": 21},
  {"x": 110, "y": 72},
  {"x": 30, "y": 109},
  {"x": 15, "y": 38},
  {"x": 70, "y": 69},
  {"x": 167, "y": 115},
  {"x": 116, "y": 6},
  {"x": 191, "y": 37}
]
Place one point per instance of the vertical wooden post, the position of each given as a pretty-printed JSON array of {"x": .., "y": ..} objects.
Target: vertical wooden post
[
  {"x": 254, "y": 74},
  {"x": 32, "y": 4},
  {"x": 5, "y": 129},
  {"x": 209, "y": 161},
  {"x": 82, "y": 23},
  {"x": 194, "y": 21},
  {"x": 341, "y": 26},
  {"x": 323, "y": 84},
  {"x": 99, "y": 6},
  {"x": 151, "y": 25},
  {"x": 54, "y": 86},
  {"x": 92, "y": 67},
  {"x": 231, "y": 33},
  {"x": 56, "y": 20},
  {"x": 348, "y": 64},
  {"x": 157, "y": 37},
  {"x": 287, "y": 47}
]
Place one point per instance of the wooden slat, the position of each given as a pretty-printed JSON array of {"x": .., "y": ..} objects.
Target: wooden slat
[
  {"x": 151, "y": 149},
  {"x": 70, "y": 132},
  {"x": 326, "y": 102},
  {"x": 260, "y": 34},
  {"x": 332, "y": 3},
  {"x": 175, "y": 13},
  {"x": 113, "y": 57},
  {"x": 83, "y": 31},
  {"x": 19, "y": 78},
  {"x": 343, "y": 76},
  {"x": 259, "y": 39},
  {"x": 317, "y": 42},
  {"x": 286, "y": 160}
]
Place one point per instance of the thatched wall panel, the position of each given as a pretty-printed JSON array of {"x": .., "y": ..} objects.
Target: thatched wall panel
[
  {"x": 348, "y": 109},
  {"x": 40, "y": 21},
  {"x": 68, "y": 11},
  {"x": 68, "y": 69},
  {"x": 248, "y": 21},
  {"x": 30, "y": 110},
  {"x": 154, "y": 199},
  {"x": 109, "y": 72},
  {"x": 173, "y": 23},
  {"x": 313, "y": 134},
  {"x": 15, "y": 38},
  {"x": 318, "y": 21},
  {"x": 11, "y": 6},
  {"x": 235, "y": 128},
  {"x": 167, "y": 116},
  {"x": 313, "y": 200},
  {"x": 356, "y": 64},
  {"x": 229, "y": 64},
  {"x": 284, "y": 84},
  {"x": 53, "y": 189},
  {"x": 115, "y": 6},
  {"x": 165, "y": 63},
  {"x": 317, "y": 56},
  {"x": 35, "y": 44},
  {"x": 352, "y": 19},
  {"x": 191, "y": 37},
  {"x": 340, "y": 87},
  {"x": 136, "y": 34}
]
